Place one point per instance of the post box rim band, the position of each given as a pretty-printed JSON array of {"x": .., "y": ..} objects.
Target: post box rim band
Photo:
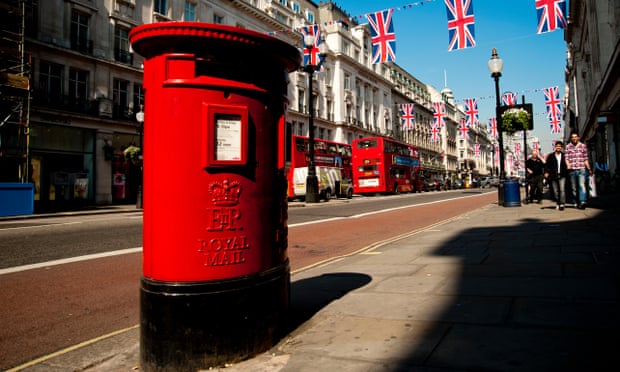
[
  {"x": 228, "y": 284},
  {"x": 198, "y": 35}
]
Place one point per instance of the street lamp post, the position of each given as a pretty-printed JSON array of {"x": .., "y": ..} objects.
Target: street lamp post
[
  {"x": 140, "y": 127},
  {"x": 495, "y": 66},
  {"x": 312, "y": 182},
  {"x": 491, "y": 147}
]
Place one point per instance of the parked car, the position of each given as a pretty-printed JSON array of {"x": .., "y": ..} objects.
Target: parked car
[
  {"x": 489, "y": 181},
  {"x": 484, "y": 181},
  {"x": 431, "y": 184},
  {"x": 457, "y": 184}
]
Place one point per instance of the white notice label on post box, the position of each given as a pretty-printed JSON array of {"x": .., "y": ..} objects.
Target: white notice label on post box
[{"x": 228, "y": 139}]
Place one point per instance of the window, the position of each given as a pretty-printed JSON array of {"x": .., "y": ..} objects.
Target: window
[
  {"x": 78, "y": 86},
  {"x": 50, "y": 82},
  {"x": 138, "y": 97},
  {"x": 309, "y": 16},
  {"x": 160, "y": 6},
  {"x": 120, "y": 96},
  {"x": 328, "y": 108},
  {"x": 347, "y": 81},
  {"x": 218, "y": 19},
  {"x": 295, "y": 7},
  {"x": 284, "y": 2},
  {"x": 121, "y": 45},
  {"x": 189, "y": 12},
  {"x": 79, "y": 32},
  {"x": 300, "y": 100},
  {"x": 346, "y": 47},
  {"x": 281, "y": 17}
]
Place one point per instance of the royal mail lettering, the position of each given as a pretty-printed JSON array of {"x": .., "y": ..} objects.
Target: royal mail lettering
[
  {"x": 224, "y": 258},
  {"x": 220, "y": 219},
  {"x": 234, "y": 243}
]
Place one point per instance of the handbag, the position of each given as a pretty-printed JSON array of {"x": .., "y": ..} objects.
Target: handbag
[{"x": 592, "y": 186}]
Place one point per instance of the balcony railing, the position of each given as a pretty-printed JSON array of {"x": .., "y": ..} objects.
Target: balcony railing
[
  {"x": 78, "y": 105},
  {"x": 64, "y": 102},
  {"x": 82, "y": 46},
  {"x": 123, "y": 56}
]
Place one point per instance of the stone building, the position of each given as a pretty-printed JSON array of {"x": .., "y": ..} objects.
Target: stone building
[
  {"x": 86, "y": 89},
  {"x": 592, "y": 97}
]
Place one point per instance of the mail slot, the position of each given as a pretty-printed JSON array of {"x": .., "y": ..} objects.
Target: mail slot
[{"x": 216, "y": 276}]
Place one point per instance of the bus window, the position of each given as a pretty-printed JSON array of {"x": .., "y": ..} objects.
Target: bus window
[
  {"x": 367, "y": 144},
  {"x": 397, "y": 172},
  {"x": 367, "y": 168}
]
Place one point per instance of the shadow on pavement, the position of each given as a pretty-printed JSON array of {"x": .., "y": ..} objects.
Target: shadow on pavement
[
  {"x": 309, "y": 296},
  {"x": 539, "y": 295}
]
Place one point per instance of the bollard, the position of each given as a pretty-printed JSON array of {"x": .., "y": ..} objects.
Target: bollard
[{"x": 216, "y": 277}]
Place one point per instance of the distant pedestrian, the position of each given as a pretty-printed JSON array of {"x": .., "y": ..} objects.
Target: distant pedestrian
[
  {"x": 556, "y": 171},
  {"x": 577, "y": 158},
  {"x": 535, "y": 168}
]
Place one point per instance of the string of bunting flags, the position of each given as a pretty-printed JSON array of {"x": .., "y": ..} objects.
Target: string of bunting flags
[
  {"x": 550, "y": 15},
  {"x": 554, "y": 113}
]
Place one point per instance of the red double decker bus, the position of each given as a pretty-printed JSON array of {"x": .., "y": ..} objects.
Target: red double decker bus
[
  {"x": 383, "y": 165},
  {"x": 333, "y": 168}
]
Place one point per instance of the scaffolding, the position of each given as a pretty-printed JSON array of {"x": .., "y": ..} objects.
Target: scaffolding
[{"x": 14, "y": 91}]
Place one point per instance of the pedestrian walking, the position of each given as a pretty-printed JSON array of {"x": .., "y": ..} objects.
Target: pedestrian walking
[
  {"x": 535, "y": 169},
  {"x": 578, "y": 164},
  {"x": 556, "y": 171}
]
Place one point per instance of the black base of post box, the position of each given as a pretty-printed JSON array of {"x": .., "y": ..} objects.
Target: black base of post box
[{"x": 192, "y": 326}]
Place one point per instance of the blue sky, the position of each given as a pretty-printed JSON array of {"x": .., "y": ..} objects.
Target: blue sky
[{"x": 531, "y": 61}]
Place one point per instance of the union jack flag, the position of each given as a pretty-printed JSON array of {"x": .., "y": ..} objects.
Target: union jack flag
[
  {"x": 509, "y": 99},
  {"x": 556, "y": 125},
  {"x": 552, "y": 100},
  {"x": 471, "y": 111},
  {"x": 493, "y": 127},
  {"x": 464, "y": 129},
  {"x": 551, "y": 15},
  {"x": 460, "y": 24},
  {"x": 435, "y": 133},
  {"x": 536, "y": 146},
  {"x": 383, "y": 36},
  {"x": 496, "y": 154},
  {"x": 477, "y": 150},
  {"x": 311, "y": 52},
  {"x": 407, "y": 116},
  {"x": 439, "y": 112},
  {"x": 517, "y": 148}
]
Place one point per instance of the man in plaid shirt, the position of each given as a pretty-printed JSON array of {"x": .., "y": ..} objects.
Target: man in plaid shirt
[{"x": 577, "y": 159}]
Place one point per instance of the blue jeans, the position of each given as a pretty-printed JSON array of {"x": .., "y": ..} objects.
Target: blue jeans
[
  {"x": 578, "y": 185},
  {"x": 558, "y": 187}
]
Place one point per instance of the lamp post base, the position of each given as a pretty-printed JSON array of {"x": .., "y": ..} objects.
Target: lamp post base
[
  {"x": 312, "y": 190},
  {"x": 139, "y": 197},
  {"x": 500, "y": 193}
]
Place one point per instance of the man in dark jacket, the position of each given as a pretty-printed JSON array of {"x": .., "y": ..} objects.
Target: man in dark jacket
[
  {"x": 534, "y": 167},
  {"x": 556, "y": 171}
]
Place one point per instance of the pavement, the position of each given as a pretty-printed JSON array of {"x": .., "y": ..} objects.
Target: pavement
[{"x": 527, "y": 288}]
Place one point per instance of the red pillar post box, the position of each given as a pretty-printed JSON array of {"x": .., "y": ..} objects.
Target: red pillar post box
[{"x": 216, "y": 278}]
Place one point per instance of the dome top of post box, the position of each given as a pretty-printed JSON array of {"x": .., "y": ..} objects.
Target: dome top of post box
[{"x": 152, "y": 39}]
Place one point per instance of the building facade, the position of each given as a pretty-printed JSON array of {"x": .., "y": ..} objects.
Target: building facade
[
  {"x": 85, "y": 87},
  {"x": 592, "y": 97}
]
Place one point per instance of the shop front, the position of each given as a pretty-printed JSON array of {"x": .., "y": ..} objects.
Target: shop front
[{"x": 61, "y": 166}]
